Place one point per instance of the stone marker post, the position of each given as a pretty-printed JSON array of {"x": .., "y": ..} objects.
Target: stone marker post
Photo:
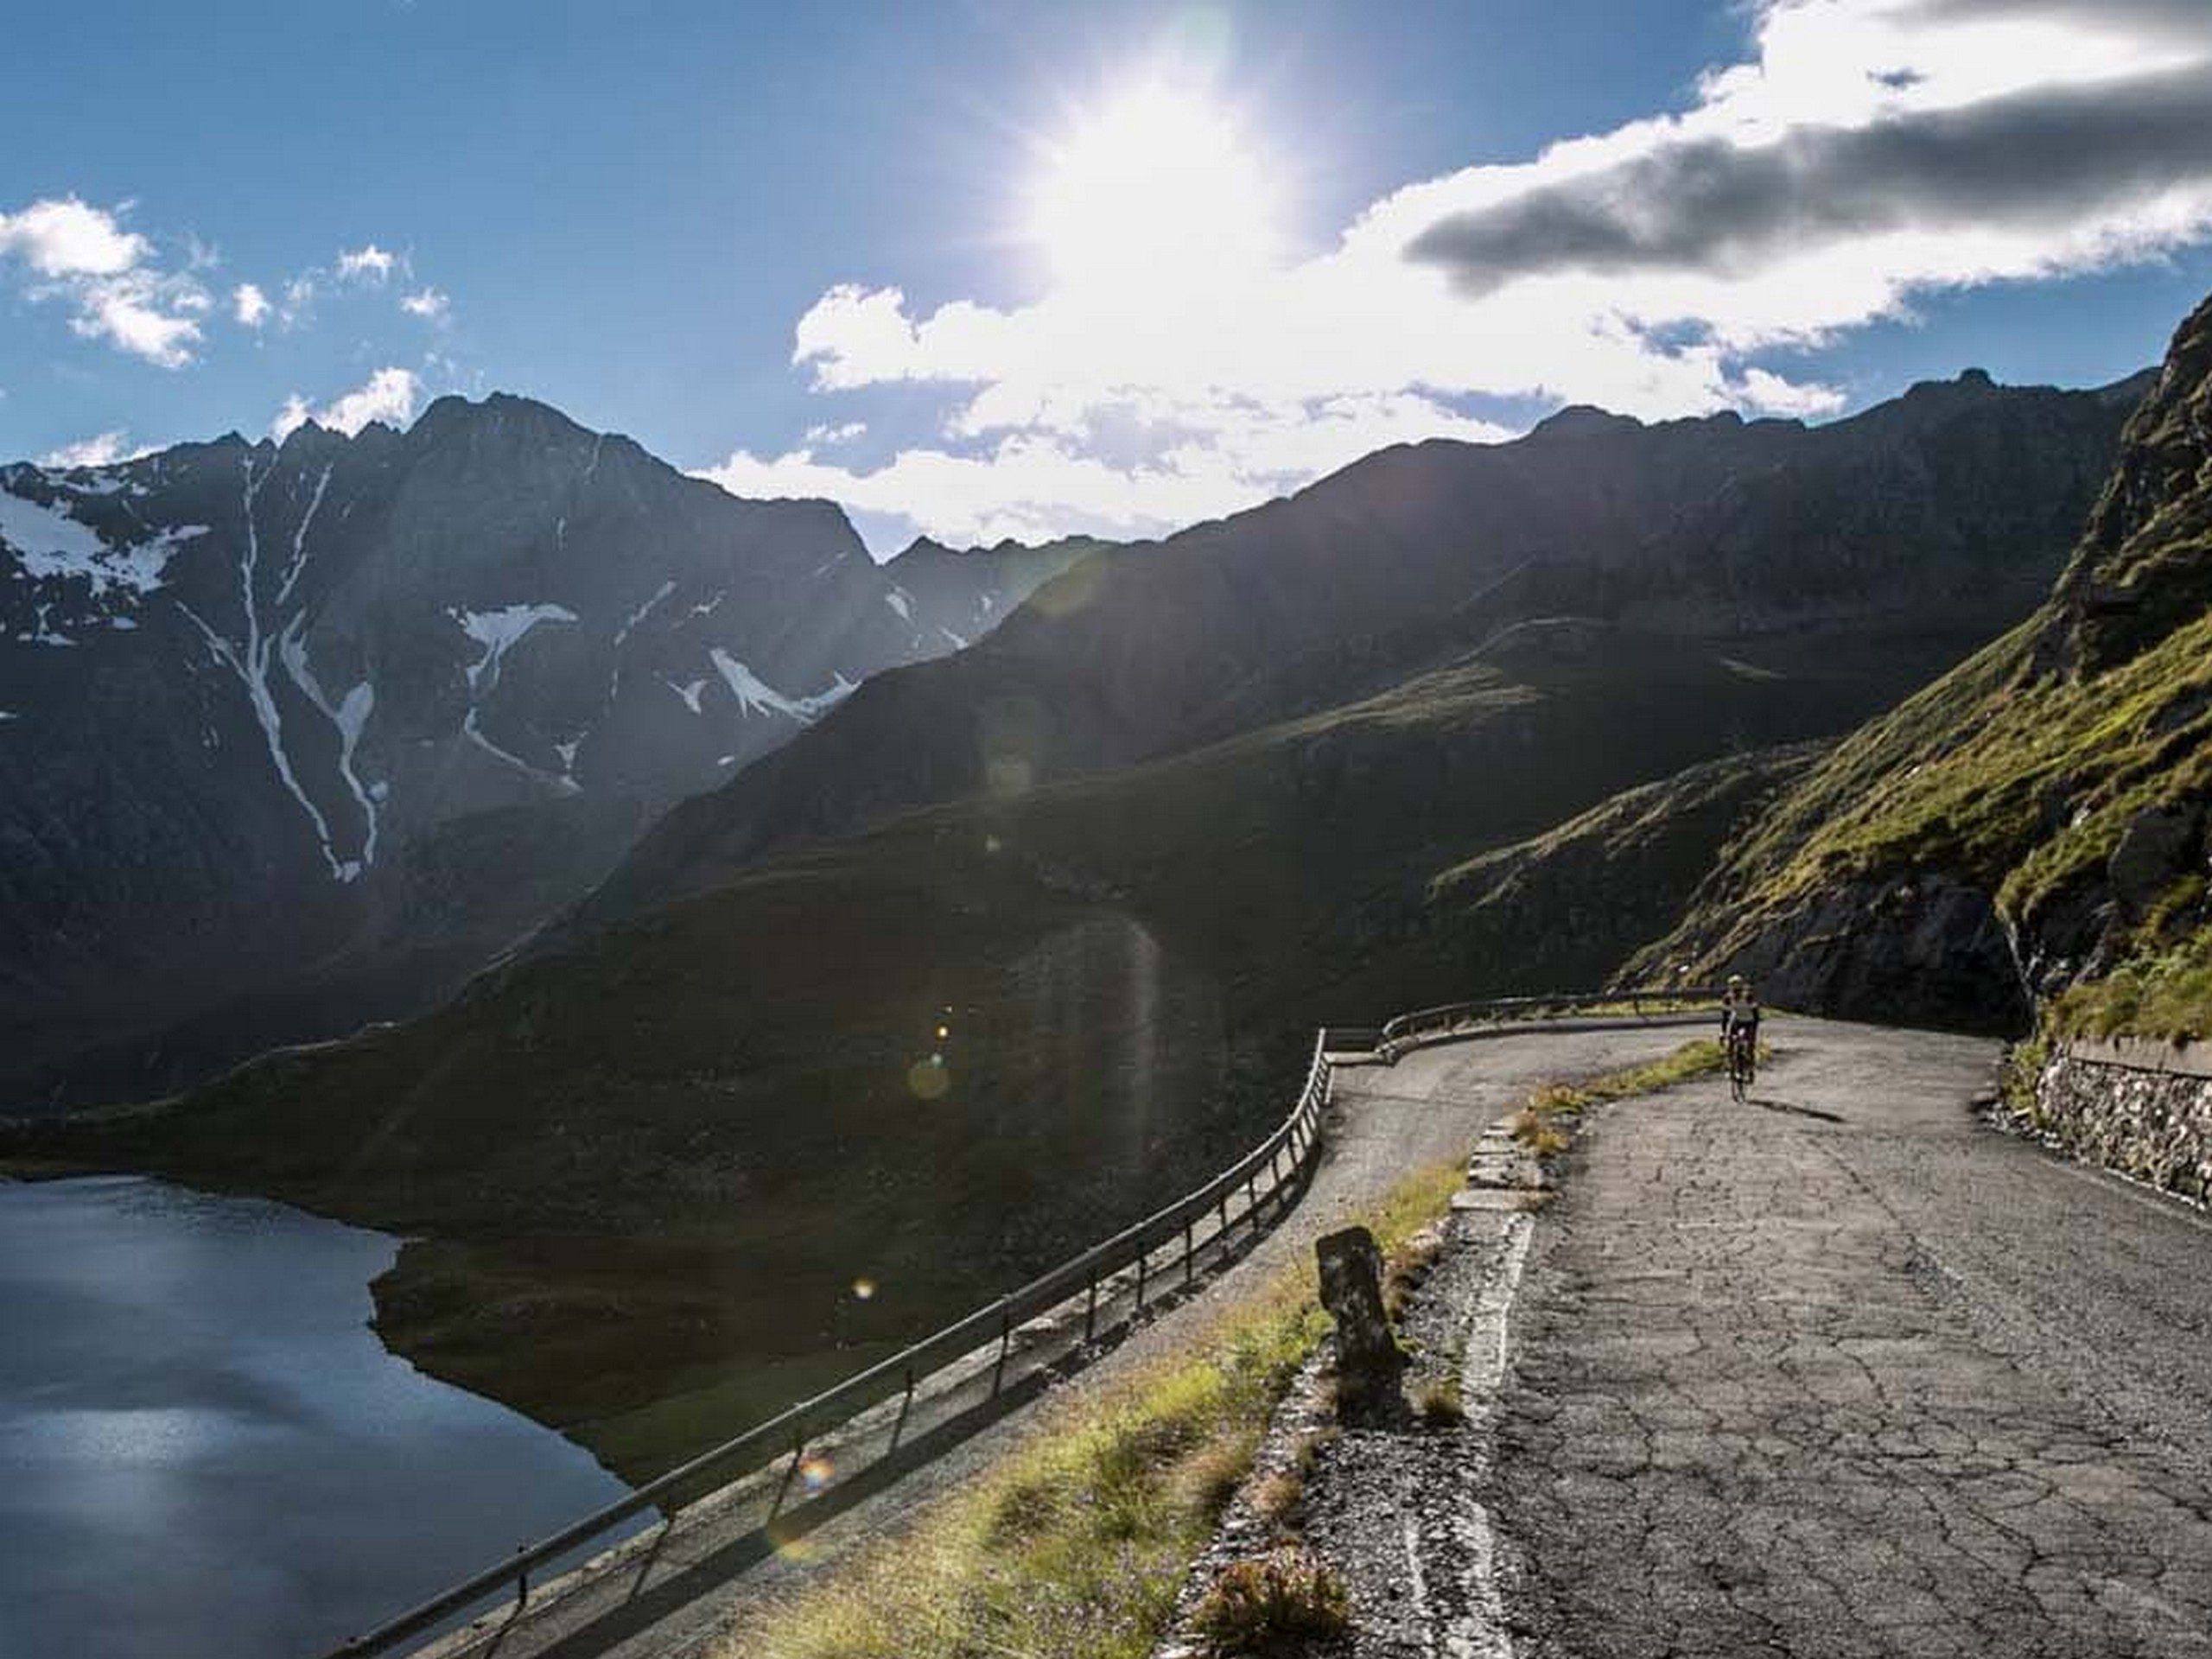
[{"x": 1368, "y": 1356}]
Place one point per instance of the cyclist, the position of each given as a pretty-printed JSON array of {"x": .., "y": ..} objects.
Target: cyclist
[{"x": 1739, "y": 1031}]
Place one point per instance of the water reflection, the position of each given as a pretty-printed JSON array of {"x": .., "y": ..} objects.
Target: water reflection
[{"x": 204, "y": 1450}]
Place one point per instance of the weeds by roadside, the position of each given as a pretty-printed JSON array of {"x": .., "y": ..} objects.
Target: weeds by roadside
[
  {"x": 1284, "y": 1594},
  {"x": 1540, "y": 1126},
  {"x": 1076, "y": 1545}
]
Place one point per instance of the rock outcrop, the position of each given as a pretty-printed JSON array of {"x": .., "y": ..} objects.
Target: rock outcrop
[{"x": 2030, "y": 831}]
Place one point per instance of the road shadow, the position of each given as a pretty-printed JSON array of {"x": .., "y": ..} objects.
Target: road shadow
[{"x": 1796, "y": 1111}]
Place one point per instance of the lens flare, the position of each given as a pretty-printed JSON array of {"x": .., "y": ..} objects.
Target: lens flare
[
  {"x": 815, "y": 1472},
  {"x": 864, "y": 1290},
  {"x": 928, "y": 1078}
]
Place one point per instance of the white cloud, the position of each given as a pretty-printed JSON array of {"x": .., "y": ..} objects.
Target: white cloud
[
  {"x": 68, "y": 238},
  {"x": 845, "y": 433},
  {"x": 429, "y": 305},
  {"x": 81, "y": 253},
  {"x": 102, "y": 450},
  {"x": 298, "y": 303},
  {"x": 290, "y": 419},
  {"x": 367, "y": 263},
  {"x": 1036, "y": 485},
  {"x": 249, "y": 305},
  {"x": 1867, "y": 151},
  {"x": 390, "y": 395}
]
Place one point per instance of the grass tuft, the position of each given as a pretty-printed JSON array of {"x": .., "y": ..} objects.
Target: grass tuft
[
  {"x": 1540, "y": 1125},
  {"x": 1286, "y": 1594},
  {"x": 1439, "y": 1402}
]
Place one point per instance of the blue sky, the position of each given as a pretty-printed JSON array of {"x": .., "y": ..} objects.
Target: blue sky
[{"x": 1438, "y": 217}]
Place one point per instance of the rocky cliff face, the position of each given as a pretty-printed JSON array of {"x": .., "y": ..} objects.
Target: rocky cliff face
[
  {"x": 295, "y": 735},
  {"x": 2032, "y": 829}
]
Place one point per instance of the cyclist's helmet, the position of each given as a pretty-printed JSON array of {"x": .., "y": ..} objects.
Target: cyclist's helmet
[{"x": 1737, "y": 982}]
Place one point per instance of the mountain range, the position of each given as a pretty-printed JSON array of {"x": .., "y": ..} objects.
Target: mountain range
[
  {"x": 297, "y": 736},
  {"x": 1012, "y": 944}
]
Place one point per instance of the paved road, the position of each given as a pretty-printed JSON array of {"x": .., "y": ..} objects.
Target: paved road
[
  {"x": 1845, "y": 1373},
  {"x": 1387, "y": 1123}
]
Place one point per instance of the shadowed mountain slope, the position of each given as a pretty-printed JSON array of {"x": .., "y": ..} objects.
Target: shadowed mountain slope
[
  {"x": 292, "y": 736},
  {"x": 1941, "y": 516},
  {"x": 2034, "y": 824}
]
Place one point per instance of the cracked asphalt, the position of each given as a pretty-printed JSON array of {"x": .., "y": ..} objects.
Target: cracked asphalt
[{"x": 1844, "y": 1372}]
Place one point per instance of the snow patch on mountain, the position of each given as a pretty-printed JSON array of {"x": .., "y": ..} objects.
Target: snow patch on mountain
[
  {"x": 558, "y": 781},
  {"x": 49, "y": 542},
  {"x": 498, "y": 632},
  {"x": 300, "y": 538},
  {"x": 901, "y": 601},
  {"x": 642, "y": 612},
  {"x": 755, "y": 696},
  {"x": 42, "y": 633},
  {"x": 690, "y": 693},
  {"x": 248, "y": 659},
  {"x": 350, "y": 716}
]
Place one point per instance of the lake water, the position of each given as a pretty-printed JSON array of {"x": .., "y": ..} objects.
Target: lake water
[{"x": 204, "y": 1450}]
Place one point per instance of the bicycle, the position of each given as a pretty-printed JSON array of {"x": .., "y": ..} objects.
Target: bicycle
[{"x": 1742, "y": 1061}]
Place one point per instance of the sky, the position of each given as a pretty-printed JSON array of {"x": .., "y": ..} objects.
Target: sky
[{"x": 981, "y": 268}]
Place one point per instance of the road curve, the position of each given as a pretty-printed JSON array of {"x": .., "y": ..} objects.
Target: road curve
[
  {"x": 1844, "y": 1372},
  {"x": 1386, "y": 1122}
]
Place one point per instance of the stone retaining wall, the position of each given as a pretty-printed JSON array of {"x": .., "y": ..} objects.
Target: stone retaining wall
[{"x": 2139, "y": 1107}]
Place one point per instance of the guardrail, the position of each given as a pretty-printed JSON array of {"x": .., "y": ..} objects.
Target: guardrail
[
  {"x": 1233, "y": 1200},
  {"x": 1410, "y": 1031},
  {"x": 1206, "y": 1219}
]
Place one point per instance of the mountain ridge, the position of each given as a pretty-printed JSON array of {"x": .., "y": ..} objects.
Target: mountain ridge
[{"x": 420, "y": 686}]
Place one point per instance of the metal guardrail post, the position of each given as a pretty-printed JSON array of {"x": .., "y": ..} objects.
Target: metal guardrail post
[
  {"x": 1090, "y": 1311},
  {"x": 1190, "y": 1236},
  {"x": 790, "y": 1471},
  {"x": 905, "y": 1405},
  {"x": 1006, "y": 1344},
  {"x": 1141, "y": 1268}
]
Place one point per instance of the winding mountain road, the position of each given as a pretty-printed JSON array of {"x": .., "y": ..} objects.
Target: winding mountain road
[
  {"x": 1843, "y": 1372},
  {"x": 1386, "y": 1122}
]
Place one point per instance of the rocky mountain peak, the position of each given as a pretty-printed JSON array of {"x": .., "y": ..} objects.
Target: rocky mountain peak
[
  {"x": 385, "y": 691},
  {"x": 1579, "y": 421}
]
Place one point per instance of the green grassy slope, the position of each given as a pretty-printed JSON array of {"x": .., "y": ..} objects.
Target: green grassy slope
[{"x": 2062, "y": 779}]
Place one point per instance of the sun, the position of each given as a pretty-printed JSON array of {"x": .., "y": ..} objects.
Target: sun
[{"x": 1157, "y": 187}]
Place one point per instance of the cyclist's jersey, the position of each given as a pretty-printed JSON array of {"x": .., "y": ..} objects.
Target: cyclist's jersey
[{"x": 1739, "y": 1011}]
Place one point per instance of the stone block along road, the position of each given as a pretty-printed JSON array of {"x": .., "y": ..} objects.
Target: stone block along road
[{"x": 1842, "y": 1371}]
